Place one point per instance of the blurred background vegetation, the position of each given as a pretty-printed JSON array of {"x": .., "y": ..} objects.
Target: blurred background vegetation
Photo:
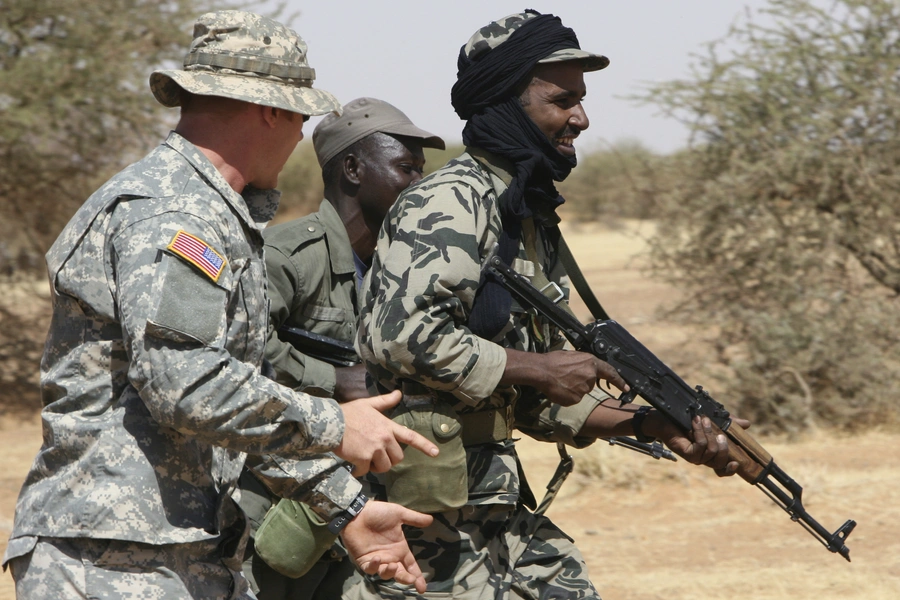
[{"x": 780, "y": 216}]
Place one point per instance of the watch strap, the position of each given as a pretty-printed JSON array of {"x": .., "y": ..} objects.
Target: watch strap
[
  {"x": 637, "y": 423},
  {"x": 338, "y": 523}
]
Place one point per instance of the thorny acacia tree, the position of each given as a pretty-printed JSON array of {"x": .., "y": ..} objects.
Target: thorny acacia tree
[
  {"x": 74, "y": 101},
  {"x": 785, "y": 228},
  {"x": 75, "y": 107}
]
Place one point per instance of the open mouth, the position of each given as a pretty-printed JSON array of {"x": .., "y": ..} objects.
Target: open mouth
[{"x": 565, "y": 144}]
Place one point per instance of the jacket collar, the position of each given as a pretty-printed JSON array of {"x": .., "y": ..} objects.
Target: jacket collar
[{"x": 255, "y": 207}]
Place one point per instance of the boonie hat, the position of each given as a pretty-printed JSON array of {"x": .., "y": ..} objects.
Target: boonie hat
[
  {"x": 495, "y": 33},
  {"x": 245, "y": 56},
  {"x": 360, "y": 118}
]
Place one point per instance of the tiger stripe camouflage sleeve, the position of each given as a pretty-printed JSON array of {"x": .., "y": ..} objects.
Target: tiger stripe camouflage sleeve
[{"x": 422, "y": 284}]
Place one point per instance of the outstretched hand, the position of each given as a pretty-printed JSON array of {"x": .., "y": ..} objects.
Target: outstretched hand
[
  {"x": 375, "y": 542},
  {"x": 371, "y": 441}
]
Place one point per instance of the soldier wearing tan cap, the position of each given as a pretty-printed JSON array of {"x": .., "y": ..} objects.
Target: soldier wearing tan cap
[
  {"x": 315, "y": 264},
  {"x": 151, "y": 375}
]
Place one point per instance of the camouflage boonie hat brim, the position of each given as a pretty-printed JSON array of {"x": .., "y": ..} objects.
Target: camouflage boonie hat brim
[
  {"x": 495, "y": 33},
  {"x": 245, "y": 56}
]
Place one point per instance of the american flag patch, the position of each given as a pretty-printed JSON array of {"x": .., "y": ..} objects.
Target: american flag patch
[{"x": 198, "y": 253}]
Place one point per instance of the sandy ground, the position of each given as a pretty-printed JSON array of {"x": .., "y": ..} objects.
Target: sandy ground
[{"x": 657, "y": 530}]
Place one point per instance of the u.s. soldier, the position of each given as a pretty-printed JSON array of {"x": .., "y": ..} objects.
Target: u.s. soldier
[
  {"x": 470, "y": 361},
  {"x": 151, "y": 376}
]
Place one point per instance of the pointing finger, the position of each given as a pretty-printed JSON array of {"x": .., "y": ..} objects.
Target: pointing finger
[{"x": 407, "y": 436}]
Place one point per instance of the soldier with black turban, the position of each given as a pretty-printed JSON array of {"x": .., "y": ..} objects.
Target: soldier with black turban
[{"x": 473, "y": 364}]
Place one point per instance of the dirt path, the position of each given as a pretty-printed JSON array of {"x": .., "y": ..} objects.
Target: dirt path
[{"x": 656, "y": 530}]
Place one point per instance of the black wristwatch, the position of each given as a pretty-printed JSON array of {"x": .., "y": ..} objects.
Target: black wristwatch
[
  {"x": 345, "y": 516},
  {"x": 637, "y": 423}
]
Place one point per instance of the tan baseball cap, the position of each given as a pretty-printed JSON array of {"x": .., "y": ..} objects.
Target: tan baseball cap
[
  {"x": 360, "y": 118},
  {"x": 496, "y": 32},
  {"x": 245, "y": 56}
]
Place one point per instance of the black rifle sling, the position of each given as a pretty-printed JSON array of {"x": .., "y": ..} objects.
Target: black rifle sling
[
  {"x": 576, "y": 276},
  {"x": 566, "y": 462}
]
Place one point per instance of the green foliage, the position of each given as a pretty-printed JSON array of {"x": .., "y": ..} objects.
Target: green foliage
[
  {"x": 622, "y": 181},
  {"x": 784, "y": 227},
  {"x": 75, "y": 105}
]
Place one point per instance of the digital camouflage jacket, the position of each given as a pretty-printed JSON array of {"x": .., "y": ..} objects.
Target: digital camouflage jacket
[{"x": 151, "y": 377}]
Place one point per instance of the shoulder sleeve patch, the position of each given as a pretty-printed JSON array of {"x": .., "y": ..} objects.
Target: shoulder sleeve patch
[{"x": 198, "y": 253}]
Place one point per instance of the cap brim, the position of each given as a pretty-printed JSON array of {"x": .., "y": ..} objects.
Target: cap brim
[
  {"x": 256, "y": 90},
  {"x": 591, "y": 62},
  {"x": 406, "y": 129}
]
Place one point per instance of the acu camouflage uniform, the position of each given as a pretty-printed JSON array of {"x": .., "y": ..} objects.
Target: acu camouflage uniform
[
  {"x": 312, "y": 286},
  {"x": 419, "y": 294},
  {"x": 151, "y": 380}
]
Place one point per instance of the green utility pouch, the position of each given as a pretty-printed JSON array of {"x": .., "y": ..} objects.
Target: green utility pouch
[
  {"x": 424, "y": 483},
  {"x": 292, "y": 538}
]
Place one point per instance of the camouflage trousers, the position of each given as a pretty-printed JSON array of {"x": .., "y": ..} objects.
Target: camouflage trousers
[
  {"x": 122, "y": 570},
  {"x": 492, "y": 552}
]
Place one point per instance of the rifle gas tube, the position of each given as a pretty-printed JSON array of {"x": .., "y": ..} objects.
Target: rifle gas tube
[{"x": 663, "y": 389}]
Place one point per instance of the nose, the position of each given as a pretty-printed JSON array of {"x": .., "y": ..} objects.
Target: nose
[{"x": 579, "y": 118}]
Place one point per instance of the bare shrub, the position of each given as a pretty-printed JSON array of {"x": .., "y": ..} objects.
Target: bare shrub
[
  {"x": 784, "y": 228},
  {"x": 621, "y": 181}
]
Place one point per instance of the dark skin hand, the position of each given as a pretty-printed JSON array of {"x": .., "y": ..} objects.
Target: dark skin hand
[
  {"x": 350, "y": 383},
  {"x": 563, "y": 377},
  {"x": 702, "y": 446}
]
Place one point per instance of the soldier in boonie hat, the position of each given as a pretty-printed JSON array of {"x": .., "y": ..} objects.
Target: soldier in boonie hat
[
  {"x": 245, "y": 56},
  {"x": 168, "y": 255}
]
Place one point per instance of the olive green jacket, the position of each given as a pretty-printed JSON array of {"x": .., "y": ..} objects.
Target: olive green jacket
[{"x": 312, "y": 286}]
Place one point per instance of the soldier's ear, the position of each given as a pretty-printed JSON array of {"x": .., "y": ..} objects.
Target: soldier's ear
[
  {"x": 352, "y": 168},
  {"x": 269, "y": 115}
]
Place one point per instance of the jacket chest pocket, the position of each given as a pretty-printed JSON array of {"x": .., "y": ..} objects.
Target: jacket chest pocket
[
  {"x": 333, "y": 321},
  {"x": 249, "y": 310}
]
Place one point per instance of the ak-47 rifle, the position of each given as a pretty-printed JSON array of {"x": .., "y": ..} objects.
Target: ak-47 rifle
[{"x": 662, "y": 388}]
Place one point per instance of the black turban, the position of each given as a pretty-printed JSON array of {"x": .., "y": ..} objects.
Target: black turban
[{"x": 485, "y": 95}]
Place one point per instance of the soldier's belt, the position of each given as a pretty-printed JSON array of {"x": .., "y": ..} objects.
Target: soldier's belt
[{"x": 487, "y": 426}]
